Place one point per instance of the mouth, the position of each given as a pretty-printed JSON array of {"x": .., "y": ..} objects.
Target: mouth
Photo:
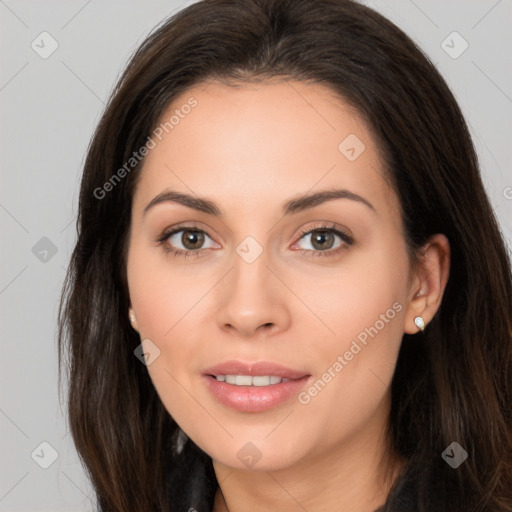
[{"x": 253, "y": 387}]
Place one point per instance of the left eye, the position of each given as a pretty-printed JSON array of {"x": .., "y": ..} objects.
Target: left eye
[{"x": 324, "y": 239}]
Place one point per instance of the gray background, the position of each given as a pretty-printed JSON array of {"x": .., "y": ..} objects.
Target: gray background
[{"x": 49, "y": 108}]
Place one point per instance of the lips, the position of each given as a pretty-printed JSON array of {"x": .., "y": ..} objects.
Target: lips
[{"x": 256, "y": 397}]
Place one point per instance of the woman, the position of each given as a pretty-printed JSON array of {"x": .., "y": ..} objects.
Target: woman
[{"x": 215, "y": 363}]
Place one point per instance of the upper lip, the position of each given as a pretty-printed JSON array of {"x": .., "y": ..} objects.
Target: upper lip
[{"x": 254, "y": 369}]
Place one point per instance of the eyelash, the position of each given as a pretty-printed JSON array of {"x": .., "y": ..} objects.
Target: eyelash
[{"x": 331, "y": 228}]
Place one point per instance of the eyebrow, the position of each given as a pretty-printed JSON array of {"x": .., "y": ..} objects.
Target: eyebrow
[{"x": 293, "y": 205}]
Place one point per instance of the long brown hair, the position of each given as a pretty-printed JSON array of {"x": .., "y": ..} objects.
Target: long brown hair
[{"x": 453, "y": 383}]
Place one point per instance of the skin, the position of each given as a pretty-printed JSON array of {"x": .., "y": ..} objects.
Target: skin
[{"x": 249, "y": 149}]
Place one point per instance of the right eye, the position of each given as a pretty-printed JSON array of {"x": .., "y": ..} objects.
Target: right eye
[{"x": 190, "y": 238}]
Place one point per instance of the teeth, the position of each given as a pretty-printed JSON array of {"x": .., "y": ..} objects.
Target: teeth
[
  {"x": 262, "y": 381},
  {"x": 243, "y": 380},
  {"x": 248, "y": 380}
]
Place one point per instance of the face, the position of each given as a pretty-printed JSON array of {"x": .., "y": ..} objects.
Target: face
[{"x": 315, "y": 291}]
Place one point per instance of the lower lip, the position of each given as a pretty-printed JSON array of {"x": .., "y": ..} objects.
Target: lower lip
[{"x": 254, "y": 398}]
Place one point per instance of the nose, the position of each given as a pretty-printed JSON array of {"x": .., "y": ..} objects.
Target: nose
[{"x": 252, "y": 299}]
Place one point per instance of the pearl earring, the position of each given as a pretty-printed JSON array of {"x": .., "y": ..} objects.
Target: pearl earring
[
  {"x": 420, "y": 324},
  {"x": 132, "y": 318}
]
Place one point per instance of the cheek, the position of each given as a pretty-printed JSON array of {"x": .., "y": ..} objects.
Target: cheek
[
  {"x": 363, "y": 299},
  {"x": 354, "y": 365},
  {"x": 172, "y": 305},
  {"x": 161, "y": 295},
  {"x": 163, "y": 299}
]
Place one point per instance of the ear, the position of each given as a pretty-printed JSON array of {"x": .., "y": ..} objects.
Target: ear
[
  {"x": 429, "y": 282},
  {"x": 133, "y": 319}
]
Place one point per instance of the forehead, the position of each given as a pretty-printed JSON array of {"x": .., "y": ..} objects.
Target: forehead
[{"x": 268, "y": 140}]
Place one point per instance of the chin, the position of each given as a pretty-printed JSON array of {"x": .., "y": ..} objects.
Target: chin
[{"x": 258, "y": 455}]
